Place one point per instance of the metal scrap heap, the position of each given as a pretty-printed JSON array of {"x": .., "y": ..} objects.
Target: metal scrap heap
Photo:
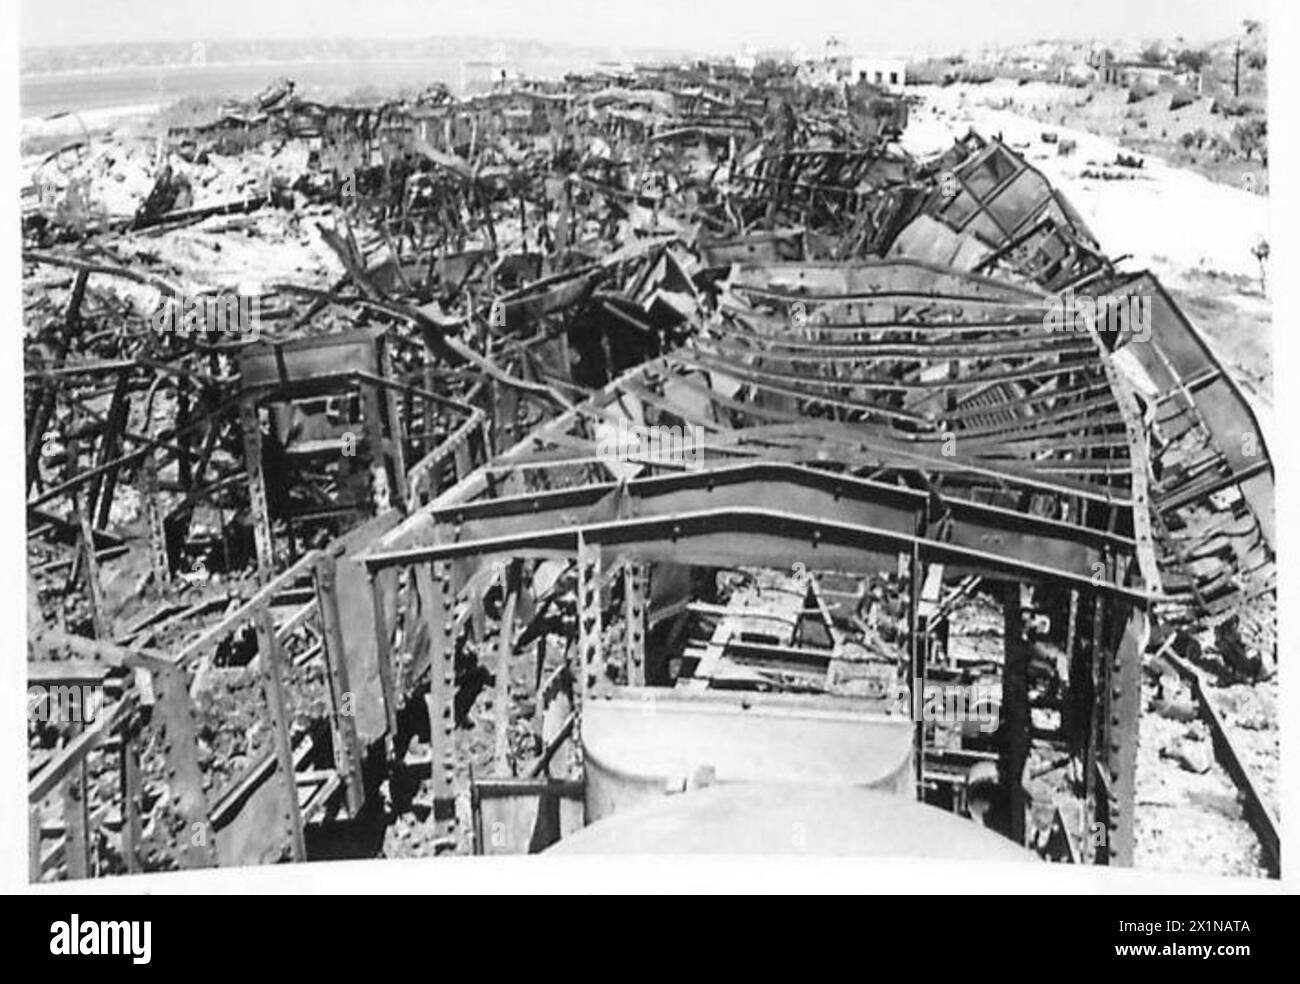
[{"x": 521, "y": 457}]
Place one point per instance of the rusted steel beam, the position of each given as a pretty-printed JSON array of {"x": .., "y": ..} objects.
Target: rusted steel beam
[
  {"x": 754, "y": 536},
  {"x": 817, "y": 493}
]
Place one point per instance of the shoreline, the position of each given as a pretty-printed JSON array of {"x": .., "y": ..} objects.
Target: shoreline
[
  {"x": 73, "y": 73},
  {"x": 44, "y": 94}
]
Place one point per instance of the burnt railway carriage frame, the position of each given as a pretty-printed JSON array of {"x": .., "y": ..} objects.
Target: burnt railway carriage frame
[{"x": 748, "y": 507}]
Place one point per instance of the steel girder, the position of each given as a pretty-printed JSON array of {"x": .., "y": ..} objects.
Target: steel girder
[
  {"x": 748, "y": 536},
  {"x": 888, "y": 515}
]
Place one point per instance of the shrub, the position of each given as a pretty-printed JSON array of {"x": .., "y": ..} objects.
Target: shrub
[
  {"x": 1192, "y": 59},
  {"x": 1251, "y": 136},
  {"x": 1230, "y": 106},
  {"x": 1153, "y": 54},
  {"x": 1139, "y": 91}
]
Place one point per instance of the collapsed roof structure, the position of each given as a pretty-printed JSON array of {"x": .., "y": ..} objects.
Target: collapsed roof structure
[{"x": 680, "y": 418}]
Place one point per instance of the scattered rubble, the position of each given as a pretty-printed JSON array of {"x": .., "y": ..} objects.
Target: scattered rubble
[{"x": 329, "y": 468}]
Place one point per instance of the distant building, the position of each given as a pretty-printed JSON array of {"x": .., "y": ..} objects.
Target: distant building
[
  {"x": 1076, "y": 73},
  {"x": 889, "y": 73},
  {"x": 838, "y": 66},
  {"x": 751, "y": 56},
  {"x": 1188, "y": 79},
  {"x": 825, "y": 71},
  {"x": 1111, "y": 71},
  {"x": 831, "y": 67}
]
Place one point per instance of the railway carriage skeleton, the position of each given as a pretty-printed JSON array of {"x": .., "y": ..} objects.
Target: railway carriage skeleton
[{"x": 889, "y": 433}]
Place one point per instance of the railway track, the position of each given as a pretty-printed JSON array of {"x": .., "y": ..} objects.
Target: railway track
[{"x": 1258, "y": 807}]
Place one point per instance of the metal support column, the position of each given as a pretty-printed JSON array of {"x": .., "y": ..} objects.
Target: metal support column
[
  {"x": 252, "y": 431},
  {"x": 442, "y": 697},
  {"x": 634, "y": 596},
  {"x": 590, "y": 656},
  {"x": 1015, "y": 709},
  {"x": 347, "y": 757},
  {"x": 195, "y": 843},
  {"x": 505, "y": 650},
  {"x": 268, "y": 648},
  {"x": 384, "y": 653},
  {"x": 1123, "y": 708},
  {"x": 131, "y": 788},
  {"x": 157, "y": 527},
  {"x": 76, "y": 821},
  {"x": 916, "y": 664}
]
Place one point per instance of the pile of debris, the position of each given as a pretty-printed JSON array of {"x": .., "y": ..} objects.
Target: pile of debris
[{"x": 319, "y": 397}]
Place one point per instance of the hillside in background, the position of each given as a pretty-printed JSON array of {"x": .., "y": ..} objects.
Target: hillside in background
[{"x": 1202, "y": 106}]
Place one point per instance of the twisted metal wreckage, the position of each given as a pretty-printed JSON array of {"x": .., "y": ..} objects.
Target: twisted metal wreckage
[{"x": 292, "y": 562}]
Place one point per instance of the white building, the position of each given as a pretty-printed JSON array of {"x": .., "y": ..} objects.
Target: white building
[
  {"x": 889, "y": 73},
  {"x": 837, "y": 65}
]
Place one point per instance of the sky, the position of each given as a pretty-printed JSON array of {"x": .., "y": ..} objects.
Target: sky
[{"x": 879, "y": 26}]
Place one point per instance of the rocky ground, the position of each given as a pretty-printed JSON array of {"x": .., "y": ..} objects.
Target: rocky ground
[{"x": 1189, "y": 815}]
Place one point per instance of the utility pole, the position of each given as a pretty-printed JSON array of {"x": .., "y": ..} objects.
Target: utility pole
[{"x": 1236, "y": 72}]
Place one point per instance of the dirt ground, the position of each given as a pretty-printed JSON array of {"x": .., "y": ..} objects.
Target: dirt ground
[
  {"x": 1151, "y": 125},
  {"x": 1188, "y": 821},
  {"x": 1196, "y": 234}
]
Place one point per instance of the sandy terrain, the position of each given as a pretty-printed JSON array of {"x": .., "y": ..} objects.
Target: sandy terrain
[{"x": 1195, "y": 234}]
